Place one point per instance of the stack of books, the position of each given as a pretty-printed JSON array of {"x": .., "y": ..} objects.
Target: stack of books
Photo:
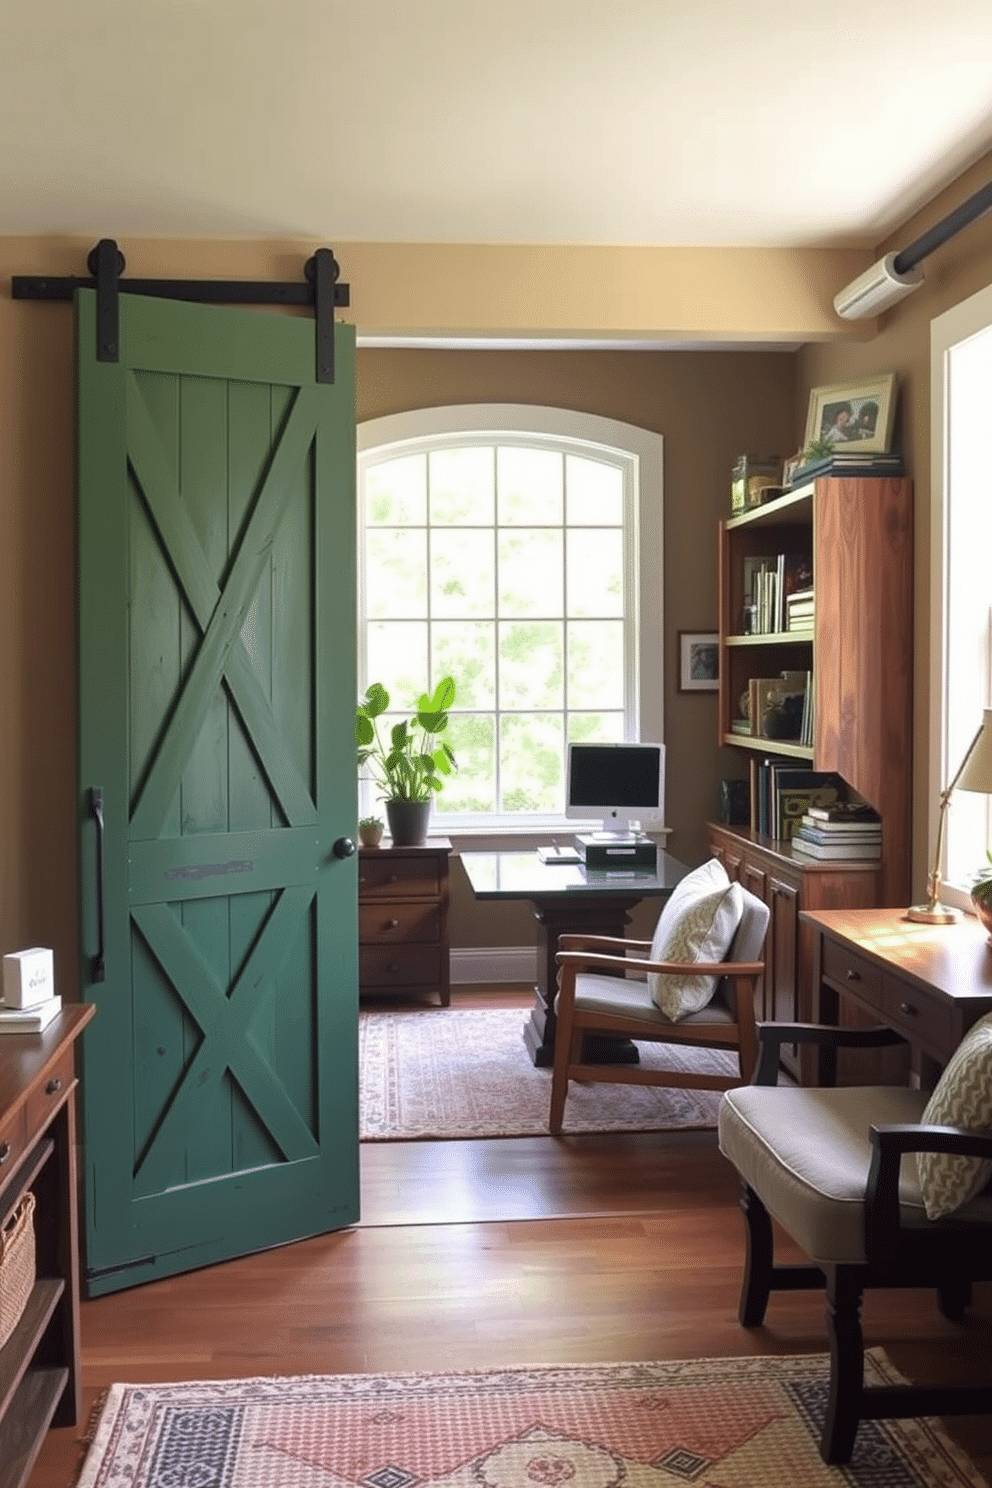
[
  {"x": 800, "y": 610},
  {"x": 849, "y": 461},
  {"x": 844, "y": 830}
]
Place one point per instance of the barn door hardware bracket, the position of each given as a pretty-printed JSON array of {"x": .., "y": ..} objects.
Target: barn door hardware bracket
[{"x": 320, "y": 288}]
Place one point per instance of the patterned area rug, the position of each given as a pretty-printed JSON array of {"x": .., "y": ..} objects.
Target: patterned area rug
[
  {"x": 454, "y": 1072},
  {"x": 727, "y": 1423}
]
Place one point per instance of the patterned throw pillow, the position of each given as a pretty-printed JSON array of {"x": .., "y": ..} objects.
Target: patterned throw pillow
[
  {"x": 701, "y": 931},
  {"x": 963, "y": 1097}
]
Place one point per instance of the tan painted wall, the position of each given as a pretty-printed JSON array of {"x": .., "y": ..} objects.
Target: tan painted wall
[{"x": 902, "y": 345}]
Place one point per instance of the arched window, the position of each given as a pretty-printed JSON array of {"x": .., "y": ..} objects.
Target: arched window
[{"x": 519, "y": 549}]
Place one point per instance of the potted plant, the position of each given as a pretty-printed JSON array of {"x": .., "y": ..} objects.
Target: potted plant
[
  {"x": 370, "y": 830},
  {"x": 408, "y": 769},
  {"x": 981, "y": 894}
]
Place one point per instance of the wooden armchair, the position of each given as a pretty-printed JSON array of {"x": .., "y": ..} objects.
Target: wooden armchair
[
  {"x": 826, "y": 1163},
  {"x": 597, "y": 995}
]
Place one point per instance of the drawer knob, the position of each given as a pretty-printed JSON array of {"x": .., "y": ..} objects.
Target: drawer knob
[
  {"x": 54, "y": 1085},
  {"x": 909, "y": 1010},
  {"x": 4, "y": 1151},
  {"x": 852, "y": 975},
  {"x": 390, "y": 924}
]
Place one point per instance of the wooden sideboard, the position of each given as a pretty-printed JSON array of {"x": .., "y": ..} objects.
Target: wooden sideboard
[
  {"x": 39, "y": 1364},
  {"x": 403, "y": 920}
]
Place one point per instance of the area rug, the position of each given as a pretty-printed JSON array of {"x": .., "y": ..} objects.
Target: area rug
[
  {"x": 726, "y": 1423},
  {"x": 464, "y": 1072}
]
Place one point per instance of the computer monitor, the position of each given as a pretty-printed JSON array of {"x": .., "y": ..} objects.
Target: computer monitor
[{"x": 621, "y": 783}]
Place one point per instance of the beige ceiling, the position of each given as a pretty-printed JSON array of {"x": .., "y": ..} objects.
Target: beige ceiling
[{"x": 708, "y": 122}]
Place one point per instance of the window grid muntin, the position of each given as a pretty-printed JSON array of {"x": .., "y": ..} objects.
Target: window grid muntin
[{"x": 613, "y": 458}]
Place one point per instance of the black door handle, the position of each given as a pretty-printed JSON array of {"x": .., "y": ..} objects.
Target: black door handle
[
  {"x": 343, "y": 848},
  {"x": 98, "y": 963}
]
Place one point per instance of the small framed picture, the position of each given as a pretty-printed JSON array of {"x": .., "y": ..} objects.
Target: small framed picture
[
  {"x": 853, "y": 415},
  {"x": 699, "y": 661}
]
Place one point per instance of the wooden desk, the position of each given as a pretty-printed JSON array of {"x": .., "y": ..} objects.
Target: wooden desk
[
  {"x": 928, "y": 982},
  {"x": 39, "y": 1363},
  {"x": 566, "y": 900}
]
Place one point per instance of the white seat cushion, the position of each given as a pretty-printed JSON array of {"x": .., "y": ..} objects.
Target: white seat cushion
[{"x": 698, "y": 923}]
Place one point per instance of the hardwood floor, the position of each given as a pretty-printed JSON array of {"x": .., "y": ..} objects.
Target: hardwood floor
[{"x": 483, "y": 1254}]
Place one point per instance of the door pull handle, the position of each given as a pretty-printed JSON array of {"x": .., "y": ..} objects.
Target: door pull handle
[{"x": 98, "y": 963}]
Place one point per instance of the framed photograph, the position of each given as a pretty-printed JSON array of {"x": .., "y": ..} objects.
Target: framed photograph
[
  {"x": 699, "y": 661},
  {"x": 789, "y": 469},
  {"x": 853, "y": 415}
]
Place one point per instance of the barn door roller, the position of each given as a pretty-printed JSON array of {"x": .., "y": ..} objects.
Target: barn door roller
[{"x": 321, "y": 289}]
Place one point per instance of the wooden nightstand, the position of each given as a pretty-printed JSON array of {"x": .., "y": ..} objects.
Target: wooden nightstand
[{"x": 403, "y": 919}]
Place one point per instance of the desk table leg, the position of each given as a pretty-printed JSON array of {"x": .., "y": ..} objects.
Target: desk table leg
[{"x": 604, "y": 917}]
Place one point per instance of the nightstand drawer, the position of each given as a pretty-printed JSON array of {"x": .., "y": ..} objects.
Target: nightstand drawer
[
  {"x": 921, "y": 1018},
  {"x": 852, "y": 973},
  {"x": 409, "y": 966},
  {"x": 393, "y": 877},
  {"x": 385, "y": 923}
]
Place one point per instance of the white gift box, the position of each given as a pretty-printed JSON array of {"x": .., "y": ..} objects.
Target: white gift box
[{"x": 28, "y": 977}]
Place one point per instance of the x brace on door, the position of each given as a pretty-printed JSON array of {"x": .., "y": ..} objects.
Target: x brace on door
[{"x": 106, "y": 264}]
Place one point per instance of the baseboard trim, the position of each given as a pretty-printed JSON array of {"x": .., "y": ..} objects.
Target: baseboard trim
[{"x": 493, "y": 964}]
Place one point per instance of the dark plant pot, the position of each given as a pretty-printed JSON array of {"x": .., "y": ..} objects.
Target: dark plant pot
[{"x": 408, "y": 822}]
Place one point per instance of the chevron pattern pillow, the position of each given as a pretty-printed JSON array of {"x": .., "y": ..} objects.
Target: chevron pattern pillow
[{"x": 963, "y": 1097}]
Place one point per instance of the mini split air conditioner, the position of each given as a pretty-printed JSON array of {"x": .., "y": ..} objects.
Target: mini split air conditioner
[{"x": 876, "y": 289}]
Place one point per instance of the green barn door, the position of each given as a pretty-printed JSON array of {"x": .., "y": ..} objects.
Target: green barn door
[{"x": 216, "y": 690}]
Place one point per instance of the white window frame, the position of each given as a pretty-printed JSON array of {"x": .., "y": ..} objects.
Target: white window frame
[
  {"x": 950, "y": 730},
  {"x": 640, "y": 453}
]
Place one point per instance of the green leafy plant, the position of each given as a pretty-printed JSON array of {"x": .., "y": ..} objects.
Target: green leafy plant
[
  {"x": 410, "y": 767},
  {"x": 981, "y": 883},
  {"x": 371, "y": 822},
  {"x": 817, "y": 449}
]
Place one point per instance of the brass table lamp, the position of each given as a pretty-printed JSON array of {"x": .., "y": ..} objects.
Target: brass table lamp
[{"x": 974, "y": 774}]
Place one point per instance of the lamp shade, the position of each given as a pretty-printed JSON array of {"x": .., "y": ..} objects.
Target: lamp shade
[{"x": 976, "y": 772}]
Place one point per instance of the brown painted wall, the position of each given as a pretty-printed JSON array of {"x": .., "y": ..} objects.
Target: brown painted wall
[{"x": 709, "y": 406}]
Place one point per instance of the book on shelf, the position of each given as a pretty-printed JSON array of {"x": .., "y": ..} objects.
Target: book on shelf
[
  {"x": 851, "y": 462},
  {"x": 841, "y": 831},
  {"x": 794, "y": 575},
  {"x": 865, "y": 851},
  {"x": 867, "y": 833},
  {"x": 785, "y": 791},
  {"x": 845, "y": 811},
  {"x": 740, "y": 725},
  {"x": 29, "y": 1020}
]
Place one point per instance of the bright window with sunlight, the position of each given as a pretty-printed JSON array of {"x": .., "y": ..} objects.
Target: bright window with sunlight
[
  {"x": 500, "y": 546},
  {"x": 962, "y": 361}
]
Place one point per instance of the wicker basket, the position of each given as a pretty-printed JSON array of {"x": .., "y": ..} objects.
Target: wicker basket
[{"x": 16, "y": 1265}]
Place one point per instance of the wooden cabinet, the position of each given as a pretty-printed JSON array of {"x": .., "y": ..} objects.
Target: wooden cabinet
[
  {"x": 775, "y": 874},
  {"x": 39, "y": 1364},
  {"x": 858, "y": 533},
  {"x": 403, "y": 919}
]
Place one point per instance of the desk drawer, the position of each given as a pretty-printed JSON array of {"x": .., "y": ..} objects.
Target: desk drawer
[
  {"x": 383, "y": 923},
  {"x": 46, "y": 1098},
  {"x": 851, "y": 973},
  {"x": 13, "y": 1141},
  {"x": 408, "y": 966},
  {"x": 920, "y": 1017},
  {"x": 392, "y": 878}
]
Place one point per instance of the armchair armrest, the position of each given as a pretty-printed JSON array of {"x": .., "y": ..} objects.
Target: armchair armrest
[
  {"x": 582, "y": 959},
  {"x": 889, "y": 1144},
  {"x": 606, "y": 944},
  {"x": 772, "y": 1036}
]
